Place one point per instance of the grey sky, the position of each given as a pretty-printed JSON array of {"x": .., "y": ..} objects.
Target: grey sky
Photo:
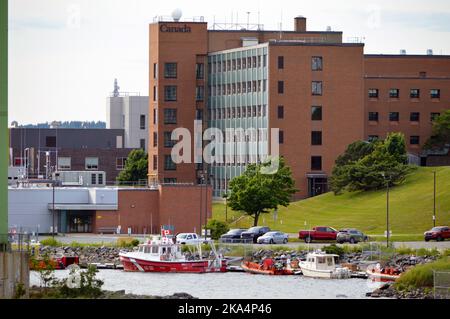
[{"x": 65, "y": 54}]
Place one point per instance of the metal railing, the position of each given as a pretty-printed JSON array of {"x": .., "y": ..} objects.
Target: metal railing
[
  {"x": 15, "y": 242},
  {"x": 236, "y": 240}
]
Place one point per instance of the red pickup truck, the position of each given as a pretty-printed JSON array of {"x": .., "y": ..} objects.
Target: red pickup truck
[{"x": 318, "y": 233}]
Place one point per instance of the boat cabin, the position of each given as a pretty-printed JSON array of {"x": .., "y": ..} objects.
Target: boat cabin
[{"x": 321, "y": 261}]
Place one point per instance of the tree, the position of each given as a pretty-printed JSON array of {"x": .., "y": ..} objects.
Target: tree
[
  {"x": 256, "y": 193},
  {"x": 362, "y": 167},
  {"x": 136, "y": 167},
  {"x": 217, "y": 228},
  {"x": 441, "y": 132}
]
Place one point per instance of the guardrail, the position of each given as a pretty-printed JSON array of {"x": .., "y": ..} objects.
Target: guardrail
[{"x": 236, "y": 241}]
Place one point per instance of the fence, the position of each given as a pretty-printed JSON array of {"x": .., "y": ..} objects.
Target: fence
[
  {"x": 16, "y": 242},
  {"x": 441, "y": 283}
]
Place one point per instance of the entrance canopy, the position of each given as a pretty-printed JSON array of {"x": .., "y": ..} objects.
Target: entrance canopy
[{"x": 83, "y": 206}]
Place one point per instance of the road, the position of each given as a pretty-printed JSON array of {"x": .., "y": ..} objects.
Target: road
[{"x": 108, "y": 239}]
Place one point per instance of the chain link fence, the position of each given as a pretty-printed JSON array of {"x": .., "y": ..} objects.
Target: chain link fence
[{"x": 441, "y": 283}]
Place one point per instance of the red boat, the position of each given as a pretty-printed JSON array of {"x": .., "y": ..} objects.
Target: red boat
[
  {"x": 163, "y": 255},
  {"x": 387, "y": 274},
  {"x": 56, "y": 262},
  {"x": 266, "y": 268}
]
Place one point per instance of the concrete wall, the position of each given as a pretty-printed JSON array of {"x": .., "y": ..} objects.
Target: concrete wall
[{"x": 14, "y": 269}]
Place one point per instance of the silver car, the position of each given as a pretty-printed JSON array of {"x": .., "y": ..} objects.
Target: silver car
[{"x": 273, "y": 237}]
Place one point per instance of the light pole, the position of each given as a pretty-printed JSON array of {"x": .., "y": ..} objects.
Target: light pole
[
  {"x": 434, "y": 201},
  {"x": 201, "y": 203},
  {"x": 387, "y": 209}
]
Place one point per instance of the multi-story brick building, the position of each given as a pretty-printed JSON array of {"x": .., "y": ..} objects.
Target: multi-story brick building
[{"x": 308, "y": 84}]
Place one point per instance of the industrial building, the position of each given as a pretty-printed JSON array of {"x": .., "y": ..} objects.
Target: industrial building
[{"x": 320, "y": 92}]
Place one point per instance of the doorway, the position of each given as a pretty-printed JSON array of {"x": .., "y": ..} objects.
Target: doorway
[
  {"x": 79, "y": 221},
  {"x": 317, "y": 186}
]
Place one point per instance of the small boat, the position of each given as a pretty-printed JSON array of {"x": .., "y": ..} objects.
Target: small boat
[
  {"x": 163, "y": 255},
  {"x": 322, "y": 265},
  {"x": 267, "y": 267},
  {"x": 57, "y": 262},
  {"x": 386, "y": 274}
]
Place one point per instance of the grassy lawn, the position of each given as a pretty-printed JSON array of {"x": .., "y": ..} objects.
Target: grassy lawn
[{"x": 411, "y": 209}]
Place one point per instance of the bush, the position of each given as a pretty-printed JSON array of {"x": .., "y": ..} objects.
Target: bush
[
  {"x": 217, "y": 228},
  {"x": 51, "y": 242},
  {"x": 135, "y": 242},
  {"x": 421, "y": 276},
  {"x": 127, "y": 242},
  {"x": 333, "y": 249}
]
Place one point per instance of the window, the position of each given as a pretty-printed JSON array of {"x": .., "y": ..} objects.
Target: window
[
  {"x": 281, "y": 137},
  {"x": 280, "y": 87},
  {"x": 281, "y": 62},
  {"x": 170, "y": 93},
  {"x": 316, "y": 138},
  {"x": 316, "y": 163},
  {"x": 142, "y": 122},
  {"x": 373, "y": 138},
  {"x": 168, "y": 142},
  {"x": 170, "y": 70},
  {"x": 170, "y": 116},
  {"x": 434, "y": 116},
  {"x": 155, "y": 70},
  {"x": 316, "y": 113},
  {"x": 155, "y": 93},
  {"x": 155, "y": 162},
  {"x": 414, "y": 93},
  {"x": 373, "y": 93},
  {"x": 280, "y": 111},
  {"x": 93, "y": 179},
  {"x": 394, "y": 116},
  {"x": 435, "y": 93},
  {"x": 120, "y": 163},
  {"x": 199, "y": 93},
  {"x": 316, "y": 63},
  {"x": 142, "y": 144},
  {"x": 155, "y": 116},
  {"x": 414, "y": 117},
  {"x": 50, "y": 141},
  {"x": 91, "y": 163},
  {"x": 414, "y": 140},
  {"x": 64, "y": 163},
  {"x": 373, "y": 116},
  {"x": 155, "y": 139},
  {"x": 394, "y": 93},
  {"x": 170, "y": 180},
  {"x": 199, "y": 114},
  {"x": 200, "y": 71},
  {"x": 317, "y": 88},
  {"x": 169, "y": 165},
  {"x": 100, "y": 179}
]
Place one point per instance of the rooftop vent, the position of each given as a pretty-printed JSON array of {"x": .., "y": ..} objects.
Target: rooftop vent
[
  {"x": 176, "y": 15},
  {"x": 403, "y": 52},
  {"x": 328, "y": 28},
  {"x": 429, "y": 52}
]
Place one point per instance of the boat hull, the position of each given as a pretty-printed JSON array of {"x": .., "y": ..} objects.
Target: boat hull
[
  {"x": 326, "y": 274},
  {"x": 253, "y": 268},
  {"x": 141, "y": 265}
]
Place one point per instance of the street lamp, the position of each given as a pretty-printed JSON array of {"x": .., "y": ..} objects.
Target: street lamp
[
  {"x": 434, "y": 201},
  {"x": 387, "y": 208}
]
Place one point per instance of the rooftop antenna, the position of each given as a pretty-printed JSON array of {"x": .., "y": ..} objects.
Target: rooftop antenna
[
  {"x": 248, "y": 20},
  {"x": 176, "y": 14},
  {"x": 281, "y": 25},
  {"x": 116, "y": 89}
]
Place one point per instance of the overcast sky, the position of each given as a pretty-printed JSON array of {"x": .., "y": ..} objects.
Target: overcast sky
[{"x": 65, "y": 54}]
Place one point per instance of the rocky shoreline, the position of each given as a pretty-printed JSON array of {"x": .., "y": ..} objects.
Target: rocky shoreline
[{"x": 388, "y": 291}]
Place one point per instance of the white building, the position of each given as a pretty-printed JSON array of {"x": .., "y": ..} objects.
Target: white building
[{"x": 128, "y": 111}]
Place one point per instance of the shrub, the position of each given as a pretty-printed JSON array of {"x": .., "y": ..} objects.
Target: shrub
[
  {"x": 51, "y": 242},
  {"x": 217, "y": 228},
  {"x": 333, "y": 249},
  {"x": 422, "y": 275},
  {"x": 135, "y": 242},
  {"x": 127, "y": 242}
]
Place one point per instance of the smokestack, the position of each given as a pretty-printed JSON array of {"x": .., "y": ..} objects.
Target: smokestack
[{"x": 300, "y": 24}]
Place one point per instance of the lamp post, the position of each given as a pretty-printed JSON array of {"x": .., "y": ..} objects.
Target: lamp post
[
  {"x": 434, "y": 201},
  {"x": 387, "y": 209}
]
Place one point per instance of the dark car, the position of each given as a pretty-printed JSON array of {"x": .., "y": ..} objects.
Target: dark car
[
  {"x": 234, "y": 235},
  {"x": 351, "y": 236},
  {"x": 254, "y": 232},
  {"x": 438, "y": 233}
]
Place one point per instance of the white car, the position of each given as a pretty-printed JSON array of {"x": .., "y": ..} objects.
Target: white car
[
  {"x": 273, "y": 237},
  {"x": 189, "y": 239}
]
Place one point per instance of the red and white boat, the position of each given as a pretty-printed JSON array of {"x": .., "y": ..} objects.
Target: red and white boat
[
  {"x": 387, "y": 274},
  {"x": 163, "y": 255}
]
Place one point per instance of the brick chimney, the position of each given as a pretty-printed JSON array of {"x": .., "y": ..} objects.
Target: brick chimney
[{"x": 300, "y": 24}]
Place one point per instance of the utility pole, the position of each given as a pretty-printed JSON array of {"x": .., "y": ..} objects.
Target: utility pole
[
  {"x": 4, "y": 143},
  {"x": 387, "y": 215}
]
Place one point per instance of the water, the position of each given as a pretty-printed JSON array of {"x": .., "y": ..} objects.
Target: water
[{"x": 229, "y": 285}]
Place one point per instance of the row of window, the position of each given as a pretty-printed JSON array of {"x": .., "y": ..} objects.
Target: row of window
[
  {"x": 170, "y": 93},
  {"x": 171, "y": 70},
  {"x": 91, "y": 163},
  {"x": 316, "y": 137},
  {"x": 316, "y": 63},
  {"x": 240, "y": 87},
  {"x": 413, "y": 139},
  {"x": 413, "y": 93},
  {"x": 316, "y": 87},
  {"x": 239, "y": 112},
  {"x": 238, "y": 64},
  {"x": 395, "y": 116}
]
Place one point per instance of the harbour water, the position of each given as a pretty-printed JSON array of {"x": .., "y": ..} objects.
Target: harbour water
[{"x": 229, "y": 285}]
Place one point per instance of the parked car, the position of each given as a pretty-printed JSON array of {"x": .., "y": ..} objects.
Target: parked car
[
  {"x": 255, "y": 232},
  {"x": 232, "y": 235},
  {"x": 188, "y": 239},
  {"x": 318, "y": 233},
  {"x": 440, "y": 233},
  {"x": 273, "y": 237},
  {"x": 350, "y": 235}
]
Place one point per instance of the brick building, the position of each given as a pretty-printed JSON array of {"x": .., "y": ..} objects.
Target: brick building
[{"x": 322, "y": 94}]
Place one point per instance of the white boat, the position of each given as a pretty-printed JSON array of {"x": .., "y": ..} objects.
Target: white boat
[{"x": 322, "y": 265}]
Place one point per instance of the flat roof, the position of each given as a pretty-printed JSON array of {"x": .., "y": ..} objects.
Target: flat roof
[
  {"x": 406, "y": 56},
  {"x": 278, "y": 31},
  {"x": 293, "y": 43}
]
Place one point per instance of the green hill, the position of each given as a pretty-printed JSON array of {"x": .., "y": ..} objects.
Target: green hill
[{"x": 411, "y": 208}]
